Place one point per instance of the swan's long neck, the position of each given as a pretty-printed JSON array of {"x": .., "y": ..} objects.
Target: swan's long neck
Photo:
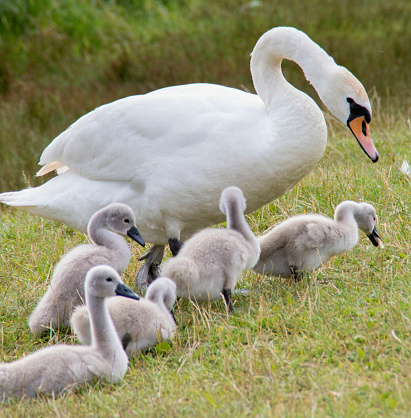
[
  {"x": 103, "y": 334},
  {"x": 291, "y": 44}
]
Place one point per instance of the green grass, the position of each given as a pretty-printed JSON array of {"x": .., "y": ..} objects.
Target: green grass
[{"x": 337, "y": 344}]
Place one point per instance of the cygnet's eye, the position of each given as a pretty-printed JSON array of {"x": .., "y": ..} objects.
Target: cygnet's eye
[
  {"x": 127, "y": 221},
  {"x": 109, "y": 279}
]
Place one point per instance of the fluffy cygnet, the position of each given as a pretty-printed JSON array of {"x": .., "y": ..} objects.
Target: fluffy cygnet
[
  {"x": 106, "y": 230},
  {"x": 57, "y": 368},
  {"x": 305, "y": 242},
  {"x": 210, "y": 263},
  {"x": 141, "y": 324}
]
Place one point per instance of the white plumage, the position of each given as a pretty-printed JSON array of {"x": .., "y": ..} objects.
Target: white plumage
[{"x": 168, "y": 154}]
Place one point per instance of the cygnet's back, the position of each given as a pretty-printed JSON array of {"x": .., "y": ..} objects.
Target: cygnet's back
[
  {"x": 305, "y": 242},
  {"x": 142, "y": 323},
  {"x": 56, "y": 368},
  {"x": 211, "y": 261},
  {"x": 107, "y": 229}
]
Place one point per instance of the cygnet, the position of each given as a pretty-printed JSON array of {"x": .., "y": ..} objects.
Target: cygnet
[
  {"x": 140, "y": 324},
  {"x": 303, "y": 243},
  {"x": 60, "y": 367},
  {"x": 211, "y": 261},
  {"x": 106, "y": 230}
]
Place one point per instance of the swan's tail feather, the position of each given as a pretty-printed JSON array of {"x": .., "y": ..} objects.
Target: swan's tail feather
[
  {"x": 56, "y": 165},
  {"x": 23, "y": 199}
]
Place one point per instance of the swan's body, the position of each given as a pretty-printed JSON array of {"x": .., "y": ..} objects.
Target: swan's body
[
  {"x": 169, "y": 154},
  {"x": 106, "y": 230},
  {"x": 147, "y": 321},
  {"x": 305, "y": 242},
  {"x": 57, "y": 368},
  {"x": 211, "y": 261}
]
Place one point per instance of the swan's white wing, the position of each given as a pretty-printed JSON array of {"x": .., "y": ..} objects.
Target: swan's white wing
[{"x": 130, "y": 137}]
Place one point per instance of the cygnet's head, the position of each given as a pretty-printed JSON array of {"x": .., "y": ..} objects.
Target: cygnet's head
[
  {"x": 103, "y": 281},
  {"x": 366, "y": 219},
  {"x": 118, "y": 218},
  {"x": 164, "y": 289},
  {"x": 347, "y": 99},
  {"x": 232, "y": 196}
]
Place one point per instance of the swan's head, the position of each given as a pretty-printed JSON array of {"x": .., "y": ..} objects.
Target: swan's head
[
  {"x": 163, "y": 289},
  {"x": 347, "y": 99},
  {"x": 103, "y": 281},
  {"x": 118, "y": 218},
  {"x": 366, "y": 220},
  {"x": 232, "y": 196}
]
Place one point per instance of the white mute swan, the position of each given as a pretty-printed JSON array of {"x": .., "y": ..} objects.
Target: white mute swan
[
  {"x": 141, "y": 323},
  {"x": 211, "y": 261},
  {"x": 305, "y": 242},
  {"x": 57, "y": 368},
  {"x": 168, "y": 154},
  {"x": 106, "y": 230}
]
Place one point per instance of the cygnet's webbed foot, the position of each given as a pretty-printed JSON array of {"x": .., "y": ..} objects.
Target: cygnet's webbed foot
[
  {"x": 149, "y": 272},
  {"x": 175, "y": 245},
  {"x": 227, "y": 298},
  {"x": 295, "y": 274},
  {"x": 126, "y": 340}
]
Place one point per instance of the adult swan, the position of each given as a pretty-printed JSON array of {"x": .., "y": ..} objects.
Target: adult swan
[{"x": 169, "y": 154}]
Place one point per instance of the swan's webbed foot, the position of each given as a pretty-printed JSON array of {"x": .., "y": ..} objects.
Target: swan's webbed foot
[
  {"x": 175, "y": 245},
  {"x": 149, "y": 272},
  {"x": 295, "y": 274},
  {"x": 227, "y": 298}
]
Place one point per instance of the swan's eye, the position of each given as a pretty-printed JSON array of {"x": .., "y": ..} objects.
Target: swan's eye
[
  {"x": 349, "y": 100},
  {"x": 364, "y": 128},
  {"x": 127, "y": 221},
  {"x": 109, "y": 279}
]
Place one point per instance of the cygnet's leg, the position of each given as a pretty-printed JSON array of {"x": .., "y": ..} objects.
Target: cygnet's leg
[
  {"x": 227, "y": 298},
  {"x": 175, "y": 245},
  {"x": 126, "y": 340},
  {"x": 149, "y": 272},
  {"x": 172, "y": 314},
  {"x": 295, "y": 274}
]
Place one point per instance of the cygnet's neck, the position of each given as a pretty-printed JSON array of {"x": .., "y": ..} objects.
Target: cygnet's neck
[
  {"x": 100, "y": 235},
  {"x": 291, "y": 44},
  {"x": 235, "y": 219},
  {"x": 345, "y": 217},
  {"x": 158, "y": 298},
  {"x": 104, "y": 337}
]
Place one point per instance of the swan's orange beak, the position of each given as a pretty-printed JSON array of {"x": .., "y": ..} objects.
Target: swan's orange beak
[{"x": 361, "y": 130}]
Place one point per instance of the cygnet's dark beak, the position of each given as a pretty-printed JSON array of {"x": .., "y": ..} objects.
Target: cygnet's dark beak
[
  {"x": 135, "y": 235},
  {"x": 123, "y": 290},
  {"x": 375, "y": 238}
]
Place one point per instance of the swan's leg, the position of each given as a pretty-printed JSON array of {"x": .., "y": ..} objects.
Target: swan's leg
[
  {"x": 175, "y": 245},
  {"x": 295, "y": 274},
  {"x": 149, "y": 272},
  {"x": 227, "y": 297}
]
